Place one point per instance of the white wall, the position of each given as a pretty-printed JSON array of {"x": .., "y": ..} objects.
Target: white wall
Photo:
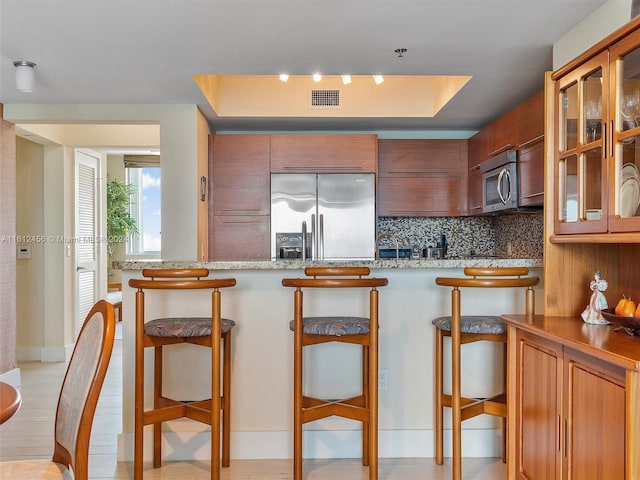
[
  {"x": 608, "y": 18},
  {"x": 29, "y": 220},
  {"x": 178, "y": 144},
  {"x": 49, "y": 337},
  {"x": 45, "y": 322}
]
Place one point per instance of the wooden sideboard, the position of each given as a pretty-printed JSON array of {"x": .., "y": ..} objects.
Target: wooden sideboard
[{"x": 573, "y": 399}]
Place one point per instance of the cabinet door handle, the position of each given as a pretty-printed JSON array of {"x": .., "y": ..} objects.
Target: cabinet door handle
[
  {"x": 391, "y": 173},
  {"x": 612, "y": 146},
  {"x": 532, "y": 195},
  {"x": 241, "y": 222},
  {"x": 239, "y": 210},
  {"x": 323, "y": 168},
  {"x": 533, "y": 140},
  {"x": 566, "y": 431},
  {"x": 604, "y": 136},
  {"x": 501, "y": 149},
  {"x": 414, "y": 213}
]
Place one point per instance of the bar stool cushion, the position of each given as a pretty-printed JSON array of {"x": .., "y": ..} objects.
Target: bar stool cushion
[
  {"x": 336, "y": 326},
  {"x": 184, "y": 327},
  {"x": 479, "y": 324}
]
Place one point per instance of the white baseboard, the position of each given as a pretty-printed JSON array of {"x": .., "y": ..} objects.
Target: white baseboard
[
  {"x": 12, "y": 377},
  {"x": 43, "y": 354},
  {"x": 188, "y": 445}
]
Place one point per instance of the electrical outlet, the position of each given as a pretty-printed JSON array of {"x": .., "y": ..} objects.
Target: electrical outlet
[{"x": 383, "y": 378}]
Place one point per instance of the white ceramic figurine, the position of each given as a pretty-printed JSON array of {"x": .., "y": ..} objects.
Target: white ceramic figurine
[{"x": 592, "y": 314}]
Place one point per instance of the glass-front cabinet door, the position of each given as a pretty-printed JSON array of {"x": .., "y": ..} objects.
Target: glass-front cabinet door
[
  {"x": 581, "y": 161},
  {"x": 624, "y": 184}
]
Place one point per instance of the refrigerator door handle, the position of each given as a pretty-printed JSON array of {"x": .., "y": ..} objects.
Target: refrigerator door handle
[
  {"x": 304, "y": 241},
  {"x": 314, "y": 238},
  {"x": 321, "y": 228}
]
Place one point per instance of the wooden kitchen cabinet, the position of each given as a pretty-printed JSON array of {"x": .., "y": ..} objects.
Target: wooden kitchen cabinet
[
  {"x": 538, "y": 407},
  {"x": 239, "y": 238},
  {"x": 477, "y": 154},
  {"x": 573, "y": 400},
  {"x": 530, "y": 120},
  {"x": 520, "y": 129},
  {"x": 324, "y": 153},
  {"x": 420, "y": 178},
  {"x": 502, "y": 134},
  {"x": 595, "y": 401},
  {"x": 424, "y": 195},
  {"x": 531, "y": 173},
  {"x": 596, "y": 116},
  {"x": 240, "y": 203},
  {"x": 421, "y": 156},
  {"x": 239, "y": 173},
  {"x": 530, "y": 146}
]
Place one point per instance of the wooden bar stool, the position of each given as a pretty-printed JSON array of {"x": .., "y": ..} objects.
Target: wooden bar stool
[
  {"x": 210, "y": 332},
  {"x": 468, "y": 329},
  {"x": 354, "y": 330}
]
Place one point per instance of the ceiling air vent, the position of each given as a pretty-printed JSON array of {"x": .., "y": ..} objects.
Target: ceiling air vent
[{"x": 325, "y": 99}]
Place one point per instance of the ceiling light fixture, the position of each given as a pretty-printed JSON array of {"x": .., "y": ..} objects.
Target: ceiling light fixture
[
  {"x": 378, "y": 79},
  {"x": 317, "y": 77},
  {"x": 346, "y": 79},
  {"x": 400, "y": 52},
  {"x": 25, "y": 76},
  {"x": 284, "y": 77}
]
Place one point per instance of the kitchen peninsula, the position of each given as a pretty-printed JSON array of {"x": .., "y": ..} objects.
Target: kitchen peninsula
[{"x": 262, "y": 364}]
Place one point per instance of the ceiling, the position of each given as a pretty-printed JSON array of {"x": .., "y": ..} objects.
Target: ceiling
[{"x": 147, "y": 51}]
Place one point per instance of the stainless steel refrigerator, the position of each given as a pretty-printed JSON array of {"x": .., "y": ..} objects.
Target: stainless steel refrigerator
[{"x": 338, "y": 211}]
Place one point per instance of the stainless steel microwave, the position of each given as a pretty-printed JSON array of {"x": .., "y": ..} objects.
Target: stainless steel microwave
[{"x": 500, "y": 182}]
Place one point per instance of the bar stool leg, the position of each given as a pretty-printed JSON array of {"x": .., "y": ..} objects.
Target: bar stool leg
[
  {"x": 439, "y": 407},
  {"x": 226, "y": 401},
  {"x": 297, "y": 386},
  {"x": 504, "y": 389},
  {"x": 373, "y": 385},
  {"x": 138, "y": 428},
  {"x": 456, "y": 406},
  {"x": 157, "y": 393},
  {"x": 367, "y": 403},
  {"x": 215, "y": 385}
]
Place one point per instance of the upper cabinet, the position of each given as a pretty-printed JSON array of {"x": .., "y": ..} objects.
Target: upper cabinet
[
  {"x": 502, "y": 134},
  {"x": 597, "y": 142},
  {"x": 530, "y": 146},
  {"x": 477, "y": 153},
  {"x": 520, "y": 129},
  {"x": 240, "y": 203},
  {"x": 421, "y": 178},
  {"x": 324, "y": 153},
  {"x": 240, "y": 174}
]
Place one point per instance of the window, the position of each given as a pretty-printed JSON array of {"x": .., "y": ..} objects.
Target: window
[{"x": 145, "y": 209}]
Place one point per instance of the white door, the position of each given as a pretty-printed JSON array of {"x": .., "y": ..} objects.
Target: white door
[{"x": 87, "y": 221}]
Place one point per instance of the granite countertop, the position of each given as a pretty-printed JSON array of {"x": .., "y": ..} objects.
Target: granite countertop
[{"x": 299, "y": 264}]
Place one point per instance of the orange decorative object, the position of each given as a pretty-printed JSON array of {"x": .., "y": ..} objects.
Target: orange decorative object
[
  {"x": 620, "y": 304},
  {"x": 628, "y": 309}
]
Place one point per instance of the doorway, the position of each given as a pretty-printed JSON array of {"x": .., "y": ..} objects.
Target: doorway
[{"x": 88, "y": 241}]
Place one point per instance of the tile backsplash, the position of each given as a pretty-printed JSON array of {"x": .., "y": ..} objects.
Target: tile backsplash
[{"x": 507, "y": 236}]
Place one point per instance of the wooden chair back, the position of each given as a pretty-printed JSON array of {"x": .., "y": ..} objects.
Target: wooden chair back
[
  {"x": 81, "y": 388},
  {"x": 179, "y": 279},
  {"x": 495, "y": 277},
  {"x": 335, "y": 277}
]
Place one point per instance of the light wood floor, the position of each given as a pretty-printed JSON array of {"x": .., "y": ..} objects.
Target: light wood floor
[{"x": 29, "y": 434}]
